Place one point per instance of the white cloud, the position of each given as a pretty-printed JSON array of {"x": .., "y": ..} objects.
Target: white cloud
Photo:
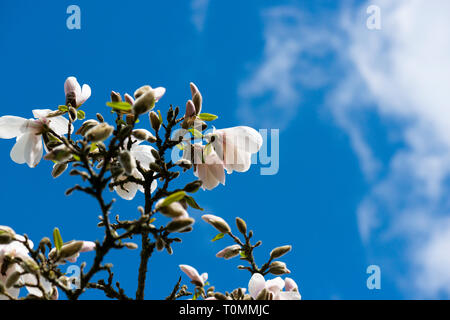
[
  {"x": 270, "y": 96},
  {"x": 199, "y": 9},
  {"x": 401, "y": 73}
]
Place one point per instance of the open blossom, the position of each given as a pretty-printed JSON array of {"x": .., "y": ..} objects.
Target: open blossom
[
  {"x": 81, "y": 94},
  {"x": 192, "y": 273},
  {"x": 275, "y": 286},
  {"x": 209, "y": 168},
  {"x": 28, "y": 133},
  {"x": 142, "y": 154},
  {"x": 235, "y": 146}
]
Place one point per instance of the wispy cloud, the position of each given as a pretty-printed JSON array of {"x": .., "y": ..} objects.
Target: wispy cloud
[
  {"x": 401, "y": 74},
  {"x": 199, "y": 9},
  {"x": 271, "y": 95}
]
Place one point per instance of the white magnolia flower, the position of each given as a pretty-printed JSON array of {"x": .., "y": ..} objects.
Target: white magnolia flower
[
  {"x": 208, "y": 167},
  {"x": 274, "y": 286},
  {"x": 71, "y": 86},
  {"x": 192, "y": 273},
  {"x": 28, "y": 133},
  {"x": 235, "y": 146},
  {"x": 15, "y": 249},
  {"x": 158, "y": 92},
  {"x": 142, "y": 154}
]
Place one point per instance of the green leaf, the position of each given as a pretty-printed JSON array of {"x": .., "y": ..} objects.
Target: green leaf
[
  {"x": 93, "y": 147},
  {"x": 242, "y": 254},
  {"x": 191, "y": 201},
  {"x": 120, "y": 106},
  {"x": 81, "y": 115},
  {"x": 152, "y": 220},
  {"x": 177, "y": 196},
  {"x": 207, "y": 116},
  {"x": 160, "y": 117},
  {"x": 63, "y": 108},
  {"x": 57, "y": 239},
  {"x": 218, "y": 237},
  {"x": 197, "y": 134},
  {"x": 195, "y": 297},
  {"x": 76, "y": 157}
]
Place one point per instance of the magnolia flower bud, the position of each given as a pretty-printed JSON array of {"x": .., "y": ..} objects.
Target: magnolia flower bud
[
  {"x": 58, "y": 169},
  {"x": 278, "y": 268},
  {"x": 142, "y": 134},
  {"x": 217, "y": 222},
  {"x": 279, "y": 252},
  {"x": 142, "y": 90},
  {"x": 70, "y": 249},
  {"x": 190, "y": 109},
  {"x": 173, "y": 210},
  {"x": 12, "y": 279},
  {"x": 193, "y": 186},
  {"x": 127, "y": 161},
  {"x": 59, "y": 154},
  {"x": 88, "y": 124},
  {"x": 154, "y": 121},
  {"x": 144, "y": 103},
  {"x": 229, "y": 252},
  {"x": 179, "y": 224},
  {"x": 116, "y": 97},
  {"x": 160, "y": 244},
  {"x": 220, "y": 296},
  {"x": 197, "y": 100},
  {"x": 100, "y": 117},
  {"x": 100, "y": 132},
  {"x": 242, "y": 226},
  {"x": 131, "y": 245},
  {"x": 6, "y": 235}
]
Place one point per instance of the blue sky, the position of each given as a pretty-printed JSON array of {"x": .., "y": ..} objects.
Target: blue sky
[{"x": 364, "y": 147}]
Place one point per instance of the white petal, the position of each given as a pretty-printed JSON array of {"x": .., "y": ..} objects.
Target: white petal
[
  {"x": 237, "y": 160},
  {"x": 129, "y": 190},
  {"x": 153, "y": 186},
  {"x": 275, "y": 285},
  {"x": 159, "y": 92},
  {"x": 72, "y": 85},
  {"x": 60, "y": 125},
  {"x": 28, "y": 148},
  {"x": 11, "y": 126},
  {"x": 143, "y": 154},
  {"x": 256, "y": 284},
  {"x": 85, "y": 94},
  {"x": 243, "y": 138},
  {"x": 41, "y": 113},
  {"x": 18, "y": 151},
  {"x": 288, "y": 295}
]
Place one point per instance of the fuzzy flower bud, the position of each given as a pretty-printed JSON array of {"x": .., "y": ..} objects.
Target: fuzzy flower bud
[
  {"x": 100, "y": 132},
  {"x": 144, "y": 103},
  {"x": 279, "y": 252},
  {"x": 59, "y": 154},
  {"x": 179, "y": 224},
  {"x": 154, "y": 121},
  {"x": 173, "y": 210},
  {"x": 278, "y": 268},
  {"x": 58, "y": 169},
  {"x": 127, "y": 161},
  {"x": 116, "y": 97},
  {"x": 242, "y": 226},
  {"x": 88, "y": 124},
  {"x": 6, "y": 235},
  {"x": 217, "y": 222},
  {"x": 229, "y": 252}
]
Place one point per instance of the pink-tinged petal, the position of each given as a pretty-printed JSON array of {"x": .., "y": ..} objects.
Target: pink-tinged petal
[
  {"x": 72, "y": 86},
  {"x": 275, "y": 285},
  {"x": 190, "y": 109},
  {"x": 129, "y": 99},
  {"x": 244, "y": 138},
  {"x": 73, "y": 258},
  {"x": 159, "y": 92},
  {"x": 194, "y": 88},
  {"x": 85, "y": 94},
  {"x": 88, "y": 246},
  {"x": 192, "y": 273},
  {"x": 11, "y": 126},
  {"x": 153, "y": 186},
  {"x": 289, "y": 284},
  {"x": 256, "y": 284}
]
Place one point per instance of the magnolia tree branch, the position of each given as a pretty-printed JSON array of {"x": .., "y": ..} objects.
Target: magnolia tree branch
[{"x": 126, "y": 160}]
